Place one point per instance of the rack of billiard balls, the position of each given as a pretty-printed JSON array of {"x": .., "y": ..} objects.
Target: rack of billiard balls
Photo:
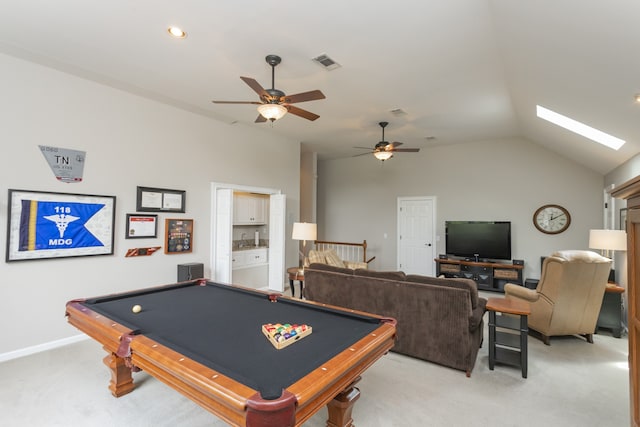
[{"x": 282, "y": 335}]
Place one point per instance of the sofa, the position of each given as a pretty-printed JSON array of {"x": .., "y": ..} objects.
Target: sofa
[{"x": 439, "y": 320}]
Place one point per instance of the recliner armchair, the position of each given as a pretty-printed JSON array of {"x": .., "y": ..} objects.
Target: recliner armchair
[{"x": 569, "y": 294}]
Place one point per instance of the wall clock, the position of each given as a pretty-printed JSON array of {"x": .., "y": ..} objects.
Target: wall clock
[{"x": 551, "y": 219}]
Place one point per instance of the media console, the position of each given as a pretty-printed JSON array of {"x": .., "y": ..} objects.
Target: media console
[{"x": 489, "y": 276}]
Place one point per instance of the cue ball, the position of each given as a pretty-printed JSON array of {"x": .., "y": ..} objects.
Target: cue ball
[{"x": 136, "y": 308}]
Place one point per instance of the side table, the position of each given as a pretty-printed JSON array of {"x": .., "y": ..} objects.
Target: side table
[
  {"x": 508, "y": 347},
  {"x": 296, "y": 274},
  {"x": 611, "y": 311}
]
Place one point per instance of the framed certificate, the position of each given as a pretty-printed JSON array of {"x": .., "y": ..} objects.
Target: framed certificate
[
  {"x": 160, "y": 200},
  {"x": 141, "y": 226}
]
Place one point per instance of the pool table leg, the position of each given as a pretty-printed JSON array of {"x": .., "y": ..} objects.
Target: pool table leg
[
  {"x": 341, "y": 407},
  {"x": 121, "y": 381}
]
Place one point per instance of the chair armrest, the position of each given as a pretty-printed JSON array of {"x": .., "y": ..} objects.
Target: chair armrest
[
  {"x": 476, "y": 315},
  {"x": 517, "y": 291}
]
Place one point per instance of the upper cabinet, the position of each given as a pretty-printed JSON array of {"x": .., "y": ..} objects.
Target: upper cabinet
[{"x": 249, "y": 209}]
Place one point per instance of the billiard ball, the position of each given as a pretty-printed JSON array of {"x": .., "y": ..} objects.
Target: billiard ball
[{"x": 136, "y": 308}]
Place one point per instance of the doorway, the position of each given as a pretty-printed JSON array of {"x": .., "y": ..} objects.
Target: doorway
[
  {"x": 222, "y": 233},
  {"x": 416, "y": 235}
]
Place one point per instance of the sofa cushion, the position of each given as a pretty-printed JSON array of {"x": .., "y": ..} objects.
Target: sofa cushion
[
  {"x": 316, "y": 257},
  {"x": 355, "y": 264},
  {"x": 327, "y": 267},
  {"x": 387, "y": 275},
  {"x": 332, "y": 258},
  {"x": 453, "y": 283}
]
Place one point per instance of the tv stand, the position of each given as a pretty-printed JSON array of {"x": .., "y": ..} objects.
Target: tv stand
[{"x": 489, "y": 276}]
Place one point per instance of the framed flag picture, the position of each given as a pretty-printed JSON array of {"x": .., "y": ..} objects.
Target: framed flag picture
[{"x": 45, "y": 225}]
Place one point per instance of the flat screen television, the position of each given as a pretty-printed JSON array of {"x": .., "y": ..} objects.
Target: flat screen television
[{"x": 479, "y": 239}]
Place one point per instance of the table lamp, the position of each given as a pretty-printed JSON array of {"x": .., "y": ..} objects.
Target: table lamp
[
  {"x": 608, "y": 241},
  {"x": 304, "y": 231}
]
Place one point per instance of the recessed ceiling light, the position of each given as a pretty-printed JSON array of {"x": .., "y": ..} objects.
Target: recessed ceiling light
[
  {"x": 580, "y": 128},
  {"x": 637, "y": 97},
  {"x": 177, "y": 32}
]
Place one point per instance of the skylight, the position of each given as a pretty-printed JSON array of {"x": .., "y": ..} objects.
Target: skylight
[{"x": 579, "y": 128}]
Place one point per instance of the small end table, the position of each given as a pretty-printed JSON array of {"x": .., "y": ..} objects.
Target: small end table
[
  {"x": 296, "y": 273},
  {"x": 507, "y": 347},
  {"x": 610, "y": 316}
]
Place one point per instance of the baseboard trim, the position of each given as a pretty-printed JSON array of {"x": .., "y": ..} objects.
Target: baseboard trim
[{"x": 4, "y": 357}]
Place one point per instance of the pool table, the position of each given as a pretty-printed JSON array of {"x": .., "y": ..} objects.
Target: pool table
[{"x": 204, "y": 339}]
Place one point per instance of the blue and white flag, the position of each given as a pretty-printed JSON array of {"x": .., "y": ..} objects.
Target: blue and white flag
[{"x": 56, "y": 225}]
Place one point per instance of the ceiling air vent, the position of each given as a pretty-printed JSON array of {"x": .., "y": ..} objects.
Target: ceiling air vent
[
  {"x": 326, "y": 62},
  {"x": 398, "y": 112}
]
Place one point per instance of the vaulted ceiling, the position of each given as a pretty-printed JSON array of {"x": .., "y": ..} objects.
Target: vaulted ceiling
[{"x": 458, "y": 71}]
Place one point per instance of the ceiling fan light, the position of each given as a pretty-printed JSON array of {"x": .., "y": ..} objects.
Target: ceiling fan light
[
  {"x": 383, "y": 155},
  {"x": 272, "y": 111}
]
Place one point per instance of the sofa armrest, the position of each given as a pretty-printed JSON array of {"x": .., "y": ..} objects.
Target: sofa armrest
[
  {"x": 517, "y": 291},
  {"x": 476, "y": 315}
]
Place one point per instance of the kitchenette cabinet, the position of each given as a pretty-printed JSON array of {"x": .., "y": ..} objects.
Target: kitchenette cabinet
[{"x": 249, "y": 209}]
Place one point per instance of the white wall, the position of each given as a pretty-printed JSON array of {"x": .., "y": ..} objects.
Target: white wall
[
  {"x": 308, "y": 186},
  {"x": 491, "y": 180},
  {"x": 628, "y": 170},
  {"x": 130, "y": 141}
]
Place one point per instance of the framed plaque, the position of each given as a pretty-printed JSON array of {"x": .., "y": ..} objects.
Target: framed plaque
[{"x": 178, "y": 236}]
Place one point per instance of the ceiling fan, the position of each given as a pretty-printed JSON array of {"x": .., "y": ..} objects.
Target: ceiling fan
[
  {"x": 274, "y": 104},
  {"x": 384, "y": 150}
]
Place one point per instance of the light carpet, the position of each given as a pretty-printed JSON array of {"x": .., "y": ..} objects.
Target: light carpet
[{"x": 570, "y": 383}]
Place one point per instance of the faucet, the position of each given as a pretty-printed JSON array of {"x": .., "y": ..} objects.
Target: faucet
[{"x": 242, "y": 244}]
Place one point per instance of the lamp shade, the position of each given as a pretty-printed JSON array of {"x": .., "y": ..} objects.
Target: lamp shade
[
  {"x": 613, "y": 240},
  {"x": 272, "y": 111},
  {"x": 304, "y": 231}
]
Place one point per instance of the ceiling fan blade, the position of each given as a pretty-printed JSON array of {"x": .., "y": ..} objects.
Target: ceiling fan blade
[
  {"x": 363, "y": 154},
  {"x": 312, "y": 95},
  {"x": 405, "y": 150},
  {"x": 302, "y": 113},
  {"x": 260, "y": 119},
  {"x": 394, "y": 144},
  {"x": 253, "y": 84},
  {"x": 237, "y": 102}
]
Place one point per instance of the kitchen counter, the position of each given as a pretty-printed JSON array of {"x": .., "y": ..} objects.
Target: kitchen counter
[{"x": 248, "y": 248}]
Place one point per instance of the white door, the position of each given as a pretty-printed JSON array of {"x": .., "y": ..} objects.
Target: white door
[
  {"x": 416, "y": 235},
  {"x": 223, "y": 214},
  {"x": 276, "y": 241}
]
